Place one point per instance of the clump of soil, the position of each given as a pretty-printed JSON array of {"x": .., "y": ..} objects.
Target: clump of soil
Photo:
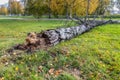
[{"x": 34, "y": 41}]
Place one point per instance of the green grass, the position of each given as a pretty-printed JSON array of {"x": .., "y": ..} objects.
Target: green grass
[
  {"x": 14, "y": 31},
  {"x": 95, "y": 54},
  {"x": 114, "y": 17},
  {"x": 28, "y": 17}
]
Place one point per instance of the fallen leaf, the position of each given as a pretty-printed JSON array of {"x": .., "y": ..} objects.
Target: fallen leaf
[{"x": 51, "y": 71}]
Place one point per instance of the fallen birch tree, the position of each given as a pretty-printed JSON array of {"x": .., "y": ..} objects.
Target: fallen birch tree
[{"x": 51, "y": 37}]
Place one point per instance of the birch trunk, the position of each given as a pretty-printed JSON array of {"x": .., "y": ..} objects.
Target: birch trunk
[{"x": 51, "y": 37}]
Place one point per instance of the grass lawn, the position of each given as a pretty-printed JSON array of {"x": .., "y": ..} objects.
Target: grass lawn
[{"x": 94, "y": 55}]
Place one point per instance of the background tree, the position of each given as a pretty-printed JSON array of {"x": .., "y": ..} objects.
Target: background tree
[
  {"x": 102, "y": 6},
  {"x": 49, "y": 12},
  {"x": 118, "y": 4},
  {"x": 73, "y": 7},
  {"x": 36, "y": 7},
  {"x": 110, "y": 7},
  {"x": 57, "y": 7},
  {"x": 24, "y": 4},
  {"x": 15, "y": 7},
  {"x": 3, "y": 10},
  {"x": 65, "y": 7}
]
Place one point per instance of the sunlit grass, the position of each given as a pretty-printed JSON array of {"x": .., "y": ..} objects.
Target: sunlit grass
[{"x": 96, "y": 54}]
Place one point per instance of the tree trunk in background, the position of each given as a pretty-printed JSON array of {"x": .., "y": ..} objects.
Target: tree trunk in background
[
  {"x": 70, "y": 15},
  {"x": 87, "y": 10},
  {"x": 49, "y": 10},
  {"x": 49, "y": 14},
  {"x": 67, "y": 14}
]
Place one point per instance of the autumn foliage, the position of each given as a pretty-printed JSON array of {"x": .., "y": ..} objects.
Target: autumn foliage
[
  {"x": 69, "y": 8},
  {"x": 3, "y": 10},
  {"x": 72, "y": 7},
  {"x": 64, "y": 7}
]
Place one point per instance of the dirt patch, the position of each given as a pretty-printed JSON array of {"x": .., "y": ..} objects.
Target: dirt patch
[{"x": 34, "y": 41}]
